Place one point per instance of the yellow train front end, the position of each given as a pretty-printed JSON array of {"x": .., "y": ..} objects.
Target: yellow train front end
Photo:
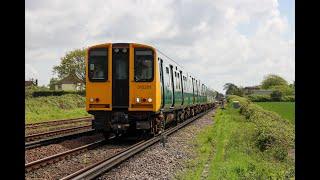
[{"x": 122, "y": 86}]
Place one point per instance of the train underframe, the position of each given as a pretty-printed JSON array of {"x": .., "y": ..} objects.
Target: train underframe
[{"x": 118, "y": 122}]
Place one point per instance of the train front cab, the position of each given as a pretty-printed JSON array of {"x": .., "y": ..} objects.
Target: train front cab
[{"x": 121, "y": 86}]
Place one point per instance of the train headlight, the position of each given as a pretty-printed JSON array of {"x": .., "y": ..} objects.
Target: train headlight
[
  {"x": 91, "y": 99},
  {"x": 149, "y": 100},
  {"x": 124, "y": 50},
  {"x": 138, "y": 100},
  {"x": 116, "y": 50}
]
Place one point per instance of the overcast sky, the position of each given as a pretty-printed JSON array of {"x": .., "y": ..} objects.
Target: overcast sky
[{"x": 221, "y": 41}]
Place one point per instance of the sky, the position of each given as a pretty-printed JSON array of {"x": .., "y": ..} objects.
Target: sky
[{"x": 220, "y": 41}]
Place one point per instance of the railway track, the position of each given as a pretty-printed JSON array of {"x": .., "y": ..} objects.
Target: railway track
[
  {"x": 60, "y": 156},
  {"x": 56, "y": 139},
  {"x": 58, "y": 122},
  {"x": 103, "y": 166},
  {"x": 47, "y": 134}
]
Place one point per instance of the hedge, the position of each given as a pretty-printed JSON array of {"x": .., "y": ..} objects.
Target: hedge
[
  {"x": 56, "y": 93},
  {"x": 267, "y": 98},
  {"x": 273, "y": 134}
]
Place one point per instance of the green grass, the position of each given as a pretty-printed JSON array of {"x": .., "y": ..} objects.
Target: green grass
[
  {"x": 234, "y": 155},
  {"x": 285, "y": 109},
  {"x": 48, "y": 108}
]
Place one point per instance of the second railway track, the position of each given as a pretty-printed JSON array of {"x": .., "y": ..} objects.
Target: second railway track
[{"x": 47, "y": 134}]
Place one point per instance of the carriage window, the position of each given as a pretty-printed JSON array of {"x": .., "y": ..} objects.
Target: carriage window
[
  {"x": 98, "y": 66},
  {"x": 167, "y": 70},
  {"x": 143, "y": 65}
]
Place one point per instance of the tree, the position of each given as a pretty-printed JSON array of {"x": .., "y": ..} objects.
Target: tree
[
  {"x": 52, "y": 83},
  {"x": 285, "y": 90},
  {"x": 73, "y": 63},
  {"x": 273, "y": 80},
  {"x": 232, "y": 89}
]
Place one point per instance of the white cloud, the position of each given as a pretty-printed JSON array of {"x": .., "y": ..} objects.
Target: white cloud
[
  {"x": 30, "y": 72},
  {"x": 203, "y": 36}
]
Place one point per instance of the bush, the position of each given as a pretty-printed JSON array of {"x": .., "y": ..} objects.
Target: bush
[
  {"x": 56, "y": 93},
  {"x": 288, "y": 99},
  {"x": 259, "y": 98},
  {"x": 274, "y": 134}
]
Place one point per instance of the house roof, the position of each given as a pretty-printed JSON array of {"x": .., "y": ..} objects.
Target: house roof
[
  {"x": 252, "y": 87},
  {"x": 71, "y": 79}
]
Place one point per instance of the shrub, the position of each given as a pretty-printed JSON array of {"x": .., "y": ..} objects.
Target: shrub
[
  {"x": 55, "y": 93},
  {"x": 259, "y": 98},
  {"x": 288, "y": 99},
  {"x": 274, "y": 134}
]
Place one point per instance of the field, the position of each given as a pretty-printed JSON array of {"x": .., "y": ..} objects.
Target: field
[
  {"x": 226, "y": 150},
  {"x": 284, "y": 109},
  {"x": 54, "y": 107}
]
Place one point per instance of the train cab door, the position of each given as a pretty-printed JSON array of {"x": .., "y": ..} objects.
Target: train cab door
[{"x": 120, "y": 76}]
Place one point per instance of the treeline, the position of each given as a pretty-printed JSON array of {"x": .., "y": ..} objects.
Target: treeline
[{"x": 279, "y": 88}]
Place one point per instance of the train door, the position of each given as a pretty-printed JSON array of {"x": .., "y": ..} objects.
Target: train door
[
  {"x": 182, "y": 85},
  {"x": 120, "y": 76},
  {"x": 172, "y": 84},
  {"x": 162, "y": 83},
  {"x": 193, "y": 92}
]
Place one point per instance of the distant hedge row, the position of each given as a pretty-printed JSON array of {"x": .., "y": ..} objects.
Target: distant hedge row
[
  {"x": 268, "y": 98},
  {"x": 273, "y": 135},
  {"x": 53, "y": 93}
]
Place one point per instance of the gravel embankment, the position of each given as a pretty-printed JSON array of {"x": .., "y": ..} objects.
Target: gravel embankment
[
  {"x": 49, "y": 150},
  {"x": 158, "y": 162}
]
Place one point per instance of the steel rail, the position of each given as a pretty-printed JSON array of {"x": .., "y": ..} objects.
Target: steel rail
[
  {"x": 58, "y": 122},
  {"x": 56, "y": 139},
  {"x": 60, "y": 156},
  {"x": 105, "y": 165},
  {"x": 55, "y": 132}
]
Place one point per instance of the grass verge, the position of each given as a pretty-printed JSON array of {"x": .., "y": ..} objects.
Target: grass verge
[
  {"x": 228, "y": 150},
  {"x": 48, "y": 108}
]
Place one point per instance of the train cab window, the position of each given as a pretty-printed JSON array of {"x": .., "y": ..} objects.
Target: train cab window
[
  {"x": 143, "y": 65},
  {"x": 98, "y": 66}
]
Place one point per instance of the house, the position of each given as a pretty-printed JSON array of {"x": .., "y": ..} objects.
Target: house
[
  {"x": 251, "y": 89},
  {"x": 262, "y": 91},
  {"x": 31, "y": 83},
  {"x": 256, "y": 90},
  {"x": 69, "y": 83}
]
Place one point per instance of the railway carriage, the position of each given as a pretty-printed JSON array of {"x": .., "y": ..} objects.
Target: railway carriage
[{"x": 134, "y": 87}]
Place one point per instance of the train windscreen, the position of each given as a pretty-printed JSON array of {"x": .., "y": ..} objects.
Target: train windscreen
[
  {"x": 143, "y": 65},
  {"x": 98, "y": 66}
]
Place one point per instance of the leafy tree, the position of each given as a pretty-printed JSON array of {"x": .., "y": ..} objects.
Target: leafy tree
[
  {"x": 285, "y": 90},
  {"x": 73, "y": 63},
  {"x": 273, "y": 80},
  {"x": 232, "y": 89},
  {"x": 52, "y": 83}
]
